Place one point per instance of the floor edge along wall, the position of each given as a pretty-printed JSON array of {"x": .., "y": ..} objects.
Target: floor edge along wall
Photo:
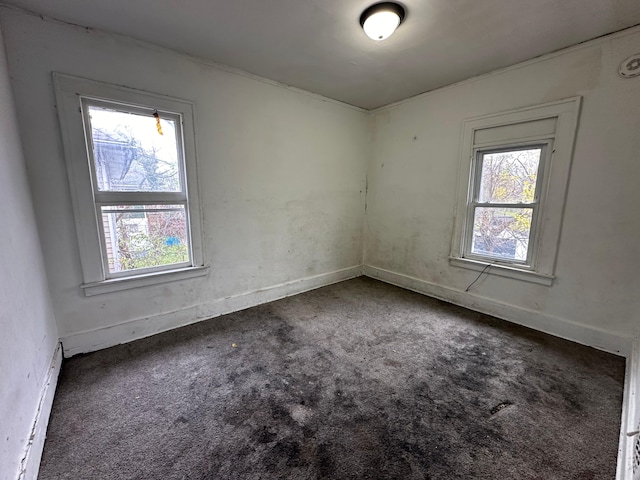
[
  {"x": 556, "y": 326},
  {"x": 627, "y": 457},
  {"x": 104, "y": 337},
  {"x": 30, "y": 464}
]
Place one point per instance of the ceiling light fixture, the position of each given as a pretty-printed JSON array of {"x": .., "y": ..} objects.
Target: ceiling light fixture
[{"x": 380, "y": 20}]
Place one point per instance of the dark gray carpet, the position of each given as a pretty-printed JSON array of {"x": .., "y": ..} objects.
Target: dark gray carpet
[{"x": 353, "y": 381}]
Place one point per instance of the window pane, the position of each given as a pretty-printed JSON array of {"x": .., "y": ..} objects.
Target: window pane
[
  {"x": 502, "y": 232},
  {"x": 145, "y": 236},
  {"x": 130, "y": 154},
  {"x": 509, "y": 177}
]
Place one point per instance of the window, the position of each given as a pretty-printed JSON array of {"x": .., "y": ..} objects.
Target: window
[
  {"x": 132, "y": 173},
  {"x": 514, "y": 171},
  {"x": 504, "y": 203}
]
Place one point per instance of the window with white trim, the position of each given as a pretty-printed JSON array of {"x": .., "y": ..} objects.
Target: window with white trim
[
  {"x": 130, "y": 158},
  {"x": 514, "y": 173}
]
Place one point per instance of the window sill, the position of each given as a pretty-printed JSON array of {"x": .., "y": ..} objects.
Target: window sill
[
  {"x": 126, "y": 283},
  {"x": 503, "y": 271}
]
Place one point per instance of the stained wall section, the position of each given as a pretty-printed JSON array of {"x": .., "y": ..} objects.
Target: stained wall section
[
  {"x": 281, "y": 179},
  {"x": 28, "y": 333},
  {"x": 413, "y": 174}
]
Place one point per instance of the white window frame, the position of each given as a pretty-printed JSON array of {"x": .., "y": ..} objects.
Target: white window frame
[
  {"x": 73, "y": 95},
  {"x": 518, "y": 129}
]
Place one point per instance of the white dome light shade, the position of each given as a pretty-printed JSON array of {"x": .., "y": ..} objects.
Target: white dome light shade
[
  {"x": 379, "y": 21},
  {"x": 381, "y": 25}
]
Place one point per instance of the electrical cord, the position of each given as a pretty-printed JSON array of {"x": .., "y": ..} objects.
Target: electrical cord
[{"x": 478, "y": 277}]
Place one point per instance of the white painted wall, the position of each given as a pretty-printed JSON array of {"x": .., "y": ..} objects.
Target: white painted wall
[
  {"x": 28, "y": 335},
  {"x": 412, "y": 180},
  {"x": 282, "y": 180}
]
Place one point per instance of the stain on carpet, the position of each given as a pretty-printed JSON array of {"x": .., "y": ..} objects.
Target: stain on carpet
[{"x": 501, "y": 406}]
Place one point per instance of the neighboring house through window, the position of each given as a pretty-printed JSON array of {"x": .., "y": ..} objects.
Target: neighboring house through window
[
  {"x": 130, "y": 157},
  {"x": 514, "y": 170}
]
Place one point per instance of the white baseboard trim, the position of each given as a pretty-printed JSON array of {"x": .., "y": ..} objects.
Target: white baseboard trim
[
  {"x": 630, "y": 415},
  {"x": 556, "y": 326},
  {"x": 30, "y": 464},
  {"x": 104, "y": 337}
]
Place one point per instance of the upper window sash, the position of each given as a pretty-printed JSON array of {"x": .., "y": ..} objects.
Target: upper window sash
[
  {"x": 479, "y": 155},
  {"x": 87, "y": 102}
]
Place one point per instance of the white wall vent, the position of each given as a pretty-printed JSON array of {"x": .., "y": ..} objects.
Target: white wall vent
[{"x": 630, "y": 67}]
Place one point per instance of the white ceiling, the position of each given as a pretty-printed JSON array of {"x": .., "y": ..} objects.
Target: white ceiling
[{"x": 318, "y": 45}]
